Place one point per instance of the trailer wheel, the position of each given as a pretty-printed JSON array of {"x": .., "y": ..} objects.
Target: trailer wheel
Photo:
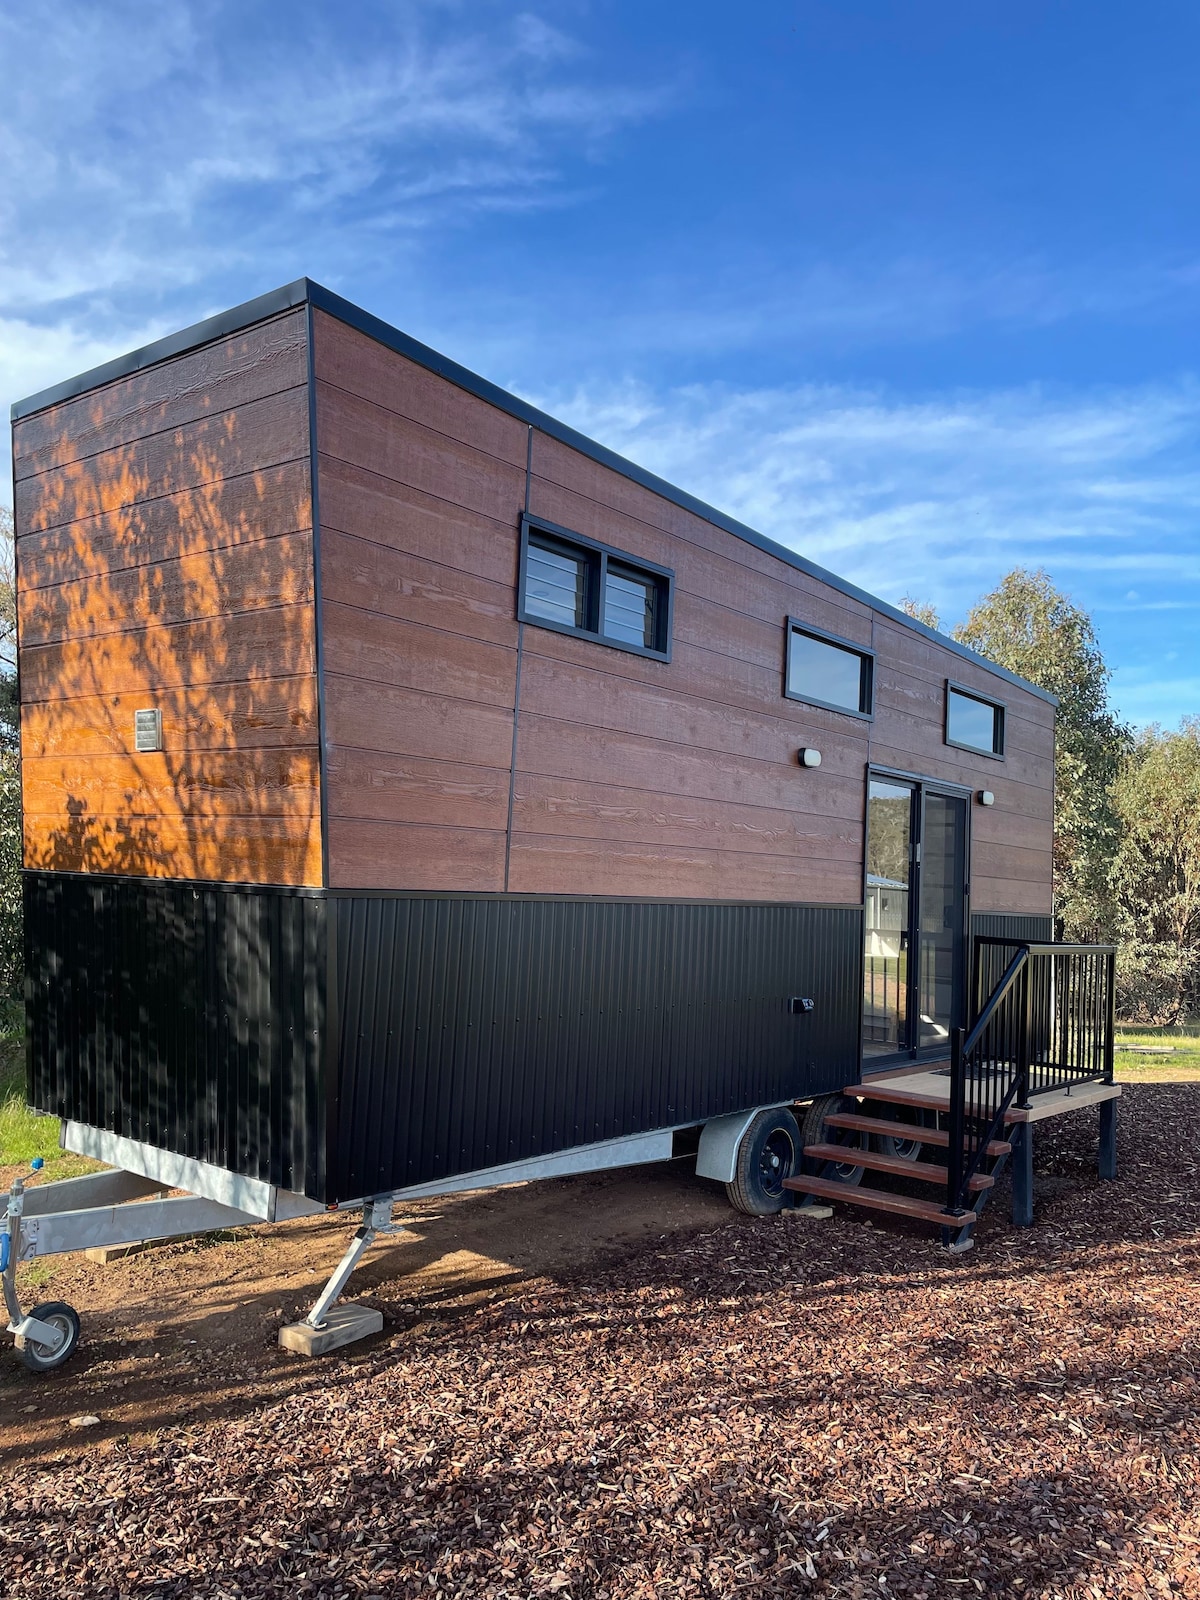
[
  {"x": 769, "y": 1153},
  {"x": 40, "y": 1357},
  {"x": 812, "y": 1131},
  {"x": 899, "y": 1148}
]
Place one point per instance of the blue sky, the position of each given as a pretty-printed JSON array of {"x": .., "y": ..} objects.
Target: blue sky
[{"x": 912, "y": 287}]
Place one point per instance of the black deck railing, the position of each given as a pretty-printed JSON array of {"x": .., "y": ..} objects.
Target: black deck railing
[{"x": 1044, "y": 1019}]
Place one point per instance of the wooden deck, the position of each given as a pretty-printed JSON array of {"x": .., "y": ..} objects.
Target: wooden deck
[{"x": 928, "y": 1086}]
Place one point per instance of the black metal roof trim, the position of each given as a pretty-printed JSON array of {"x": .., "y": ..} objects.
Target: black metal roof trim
[{"x": 304, "y": 290}]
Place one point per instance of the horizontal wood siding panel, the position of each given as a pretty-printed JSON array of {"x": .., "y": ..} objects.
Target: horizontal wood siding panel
[
  {"x": 407, "y": 722},
  {"x": 375, "y": 855},
  {"x": 274, "y": 572},
  {"x": 556, "y": 463},
  {"x": 633, "y": 777},
  {"x": 421, "y": 491},
  {"x": 354, "y": 362},
  {"x": 362, "y": 644},
  {"x": 1011, "y": 895},
  {"x": 215, "y": 516},
  {"x": 570, "y": 807},
  {"x": 166, "y": 561},
  {"x": 379, "y": 787},
  {"x": 367, "y": 436},
  {"x": 241, "y": 647},
  {"x": 380, "y": 511},
  {"x": 269, "y": 712},
  {"x": 1014, "y": 862},
  {"x": 657, "y": 711},
  {"x": 712, "y": 571},
  {"x": 219, "y": 378},
  {"x": 548, "y": 745},
  {"x": 545, "y": 864},
  {"x": 263, "y": 433},
  {"x": 209, "y": 783},
  {"x": 359, "y": 574},
  {"x": 229, "y": 849}
]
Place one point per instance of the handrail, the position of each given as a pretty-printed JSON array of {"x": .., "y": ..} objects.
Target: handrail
[
  {"x": 1047, "y": 1024},
  {"x": 1050, "y": 949},
  {"x": 1011, "y": 974}
]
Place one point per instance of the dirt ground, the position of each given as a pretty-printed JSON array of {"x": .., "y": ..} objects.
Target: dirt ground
[
  {"x": 612, "y": 1388},
  {"x": 190, "y": 1329}
]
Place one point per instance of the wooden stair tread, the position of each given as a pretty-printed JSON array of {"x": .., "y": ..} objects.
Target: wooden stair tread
[
  {"x": 894, "y": 1166},
  {"x": 879, "y": 1200},
  {"x": 857, "y": 1123},
  {"x": 897, "y": 1096}
]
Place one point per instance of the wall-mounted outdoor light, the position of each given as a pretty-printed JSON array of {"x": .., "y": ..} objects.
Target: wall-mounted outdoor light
[
  {"x": 809, "y": 758},
  {"x": 986, "y": 797}
]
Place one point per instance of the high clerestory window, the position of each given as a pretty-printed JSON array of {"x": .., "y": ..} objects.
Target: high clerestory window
[
  {"x": 974, "y": 723},
  {"x": 828, "y": 671},
  {"x": 574, "y": 585}
]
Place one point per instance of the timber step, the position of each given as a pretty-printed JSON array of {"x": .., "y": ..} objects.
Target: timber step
[
  {"x": 879, "y": 1200},
  {"x": 898, "y": 1097},
  {"x": 855, "y": 1122},
  {"x": 894, "y": 1166}
]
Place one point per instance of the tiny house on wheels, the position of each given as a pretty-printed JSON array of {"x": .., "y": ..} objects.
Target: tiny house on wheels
[{"x": 418, "y": 796}]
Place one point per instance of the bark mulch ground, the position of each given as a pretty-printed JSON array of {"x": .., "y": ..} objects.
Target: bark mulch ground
[{"x": 773, "y": 1407}]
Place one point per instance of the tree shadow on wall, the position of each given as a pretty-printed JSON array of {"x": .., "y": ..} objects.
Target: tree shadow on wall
[{"x": 165, "y": 560}]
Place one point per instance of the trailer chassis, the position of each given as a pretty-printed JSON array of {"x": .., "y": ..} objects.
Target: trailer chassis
[{"x": 138, "y": 1200}]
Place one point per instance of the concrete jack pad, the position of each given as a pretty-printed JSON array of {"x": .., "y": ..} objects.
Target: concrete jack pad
[
  {"x": 810, "y": 1213},
  {"x": 343, "y": 1325}
]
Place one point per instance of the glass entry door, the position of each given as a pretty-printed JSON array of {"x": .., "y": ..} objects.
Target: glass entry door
[{"x": 915, "y": 918}]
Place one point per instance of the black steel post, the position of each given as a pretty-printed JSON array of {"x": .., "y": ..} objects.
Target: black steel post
[
  {"x": 1021, "y": 1138},
  {"x": 954, "y": 1162},
  {"x": 1023, "y": 1043},
  {"x": 1110, "y": 1019},
  {"x": 1108, "y": 1139}
]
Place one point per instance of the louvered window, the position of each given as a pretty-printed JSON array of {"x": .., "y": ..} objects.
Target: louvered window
[{"x": 574, "y": 585}]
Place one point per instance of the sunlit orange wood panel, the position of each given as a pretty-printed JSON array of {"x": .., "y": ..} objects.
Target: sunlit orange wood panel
[{"x": 165, "y": 562}]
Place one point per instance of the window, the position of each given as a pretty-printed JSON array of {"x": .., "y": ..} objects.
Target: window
[
  {"x": 828, "y": 671},
  {"x": 556, "y": 584},
  {"x": 574, "y": 585},
  {"x": 974, "y": 723}
]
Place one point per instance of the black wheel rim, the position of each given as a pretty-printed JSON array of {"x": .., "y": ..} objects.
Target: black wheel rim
[{"x": 775, "y": 1163}]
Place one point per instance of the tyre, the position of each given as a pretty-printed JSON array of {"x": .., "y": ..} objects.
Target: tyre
[
  {"x": 63, "y": 1318},
  {"x": 899, "y": 1148},
  {"x": 769, "y": 1153},
  {"x": 812, "y": 1131}
]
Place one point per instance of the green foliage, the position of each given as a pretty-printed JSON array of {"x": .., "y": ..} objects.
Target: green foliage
[
  {"x": 1155, "y": 876},
  {"x": 1030, "y": 627},
  {"x": 921, "y": 611}
]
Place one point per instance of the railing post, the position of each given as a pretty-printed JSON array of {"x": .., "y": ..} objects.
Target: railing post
[
  {"x": 1110, "y": 1016},
  {"x": 955, "y": 1155},
  {"x": 1024, "y": 1042}
]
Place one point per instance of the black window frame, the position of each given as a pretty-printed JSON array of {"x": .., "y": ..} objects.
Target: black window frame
[
  {"x": 864, "y": 652},
  {"x": 999, "y": 710},
  {"x": 598, "y": 556}
]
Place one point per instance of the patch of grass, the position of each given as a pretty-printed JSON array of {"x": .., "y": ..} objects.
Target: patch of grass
[
  {"x": 23, "y": 1133},
  {"x": 1182, "y": 1063}
]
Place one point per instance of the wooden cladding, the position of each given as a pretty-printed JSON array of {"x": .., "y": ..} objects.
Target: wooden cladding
[
  {"x": 165, "y": 562},
  {"x": 604, "y": 773}
]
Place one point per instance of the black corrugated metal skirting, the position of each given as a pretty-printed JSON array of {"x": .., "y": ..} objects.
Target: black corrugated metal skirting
[{"x": 464, "y": 1032}]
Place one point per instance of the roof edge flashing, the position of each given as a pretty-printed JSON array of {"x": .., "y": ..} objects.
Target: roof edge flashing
[{"x": 305, "y": 291}]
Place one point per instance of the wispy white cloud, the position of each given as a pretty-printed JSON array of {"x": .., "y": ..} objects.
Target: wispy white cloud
[
  {"x": 146, "y": 149},
  {"x": 939, "y": 498},
  {"x": 162, "y": 162}
]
